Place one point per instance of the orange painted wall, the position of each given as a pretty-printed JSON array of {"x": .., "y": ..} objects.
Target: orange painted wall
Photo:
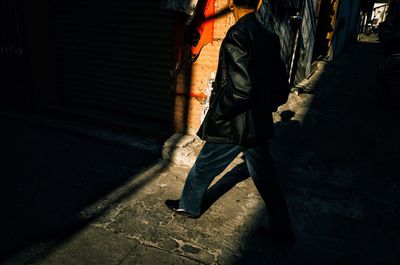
[{"x": 192, "y": 80}]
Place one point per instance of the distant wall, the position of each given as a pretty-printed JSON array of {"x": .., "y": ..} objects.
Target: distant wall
[
  {"x": 306, "y": 40},
  {"x": 298, "y": 60},
  {"x": 347, "y": 22}
]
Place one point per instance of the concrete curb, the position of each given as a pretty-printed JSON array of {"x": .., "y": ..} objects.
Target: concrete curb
[{"x": 182, "y": 149}]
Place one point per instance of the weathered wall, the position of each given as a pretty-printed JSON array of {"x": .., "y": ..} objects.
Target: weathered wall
[{"x": 193, "y": 81}]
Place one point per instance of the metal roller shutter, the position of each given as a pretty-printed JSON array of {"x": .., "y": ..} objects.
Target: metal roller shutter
[
  {"x": 115, "y": 54},
  {"x": 14, "y": 88}
]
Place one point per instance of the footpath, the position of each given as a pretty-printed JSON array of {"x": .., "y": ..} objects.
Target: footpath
[{"x": 337, "y": 152}]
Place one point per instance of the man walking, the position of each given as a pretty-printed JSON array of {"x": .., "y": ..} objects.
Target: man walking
[{"x": 250, "y": 71}]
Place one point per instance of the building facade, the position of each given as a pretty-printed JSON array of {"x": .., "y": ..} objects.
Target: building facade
[{"x": 139, "y": 59}]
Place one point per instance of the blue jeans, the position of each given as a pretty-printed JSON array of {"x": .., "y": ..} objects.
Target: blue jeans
[{"x": 215, "y": 157}]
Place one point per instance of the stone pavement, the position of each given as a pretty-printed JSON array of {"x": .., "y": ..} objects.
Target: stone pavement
[{"x": 337, "y": 151}]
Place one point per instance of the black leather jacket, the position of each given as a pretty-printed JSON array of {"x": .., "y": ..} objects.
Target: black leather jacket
[{"x": 249, "y": 65}]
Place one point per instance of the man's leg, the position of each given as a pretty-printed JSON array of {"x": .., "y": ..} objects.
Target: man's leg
[
  {"x": 212, "y": 160},
  {"x": 262, "y": 170}
]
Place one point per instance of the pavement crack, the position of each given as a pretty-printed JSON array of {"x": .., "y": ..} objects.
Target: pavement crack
[
  {"x": 127, "y": 255},
  {"x": 169, "y": 218}
]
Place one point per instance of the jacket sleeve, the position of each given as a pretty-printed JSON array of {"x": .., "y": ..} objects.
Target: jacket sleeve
[{"x": 236, "y": 91}]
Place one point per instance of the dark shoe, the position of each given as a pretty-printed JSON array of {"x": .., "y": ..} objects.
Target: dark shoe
[{"x": 173, "y": 205}]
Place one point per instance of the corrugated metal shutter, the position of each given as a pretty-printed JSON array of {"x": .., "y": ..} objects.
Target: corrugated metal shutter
[
  {"x": 14, "y": 88},
  {"x": 115, "y": 54}
]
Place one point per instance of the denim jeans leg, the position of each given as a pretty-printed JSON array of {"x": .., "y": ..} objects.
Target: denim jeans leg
[
  {"x": 212, "y": 160},
  {"x": 262, "y": 170}
]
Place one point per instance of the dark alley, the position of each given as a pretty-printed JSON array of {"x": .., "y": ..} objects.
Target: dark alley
[
  {"x": 101, "y": 101},
  {"x": 338, "y": 156}
]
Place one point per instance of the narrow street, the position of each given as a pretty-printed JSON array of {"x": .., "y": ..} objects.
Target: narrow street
[{"x": 337, "y": 150}]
